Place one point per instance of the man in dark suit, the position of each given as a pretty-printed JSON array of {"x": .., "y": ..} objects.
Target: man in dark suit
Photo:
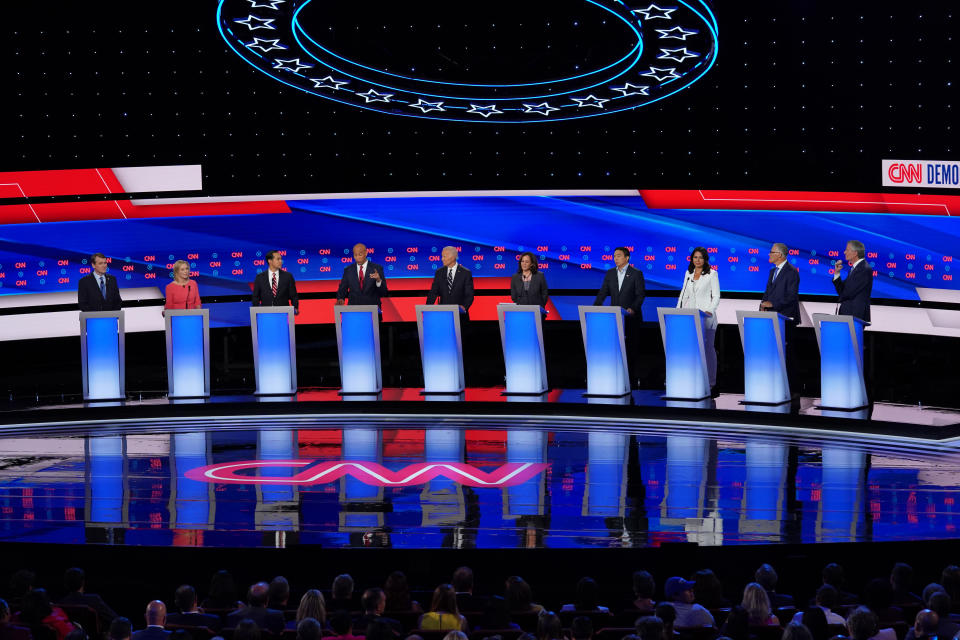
[
  {"x": 270, "y": 619},
  {"x": 156, "y": 617},
  {"x": 782, "y": 295},
  {"x": 74, "y": 580},
  {"x": 624, "y": 285},
  {"x": 98, "y": 290},
  {"x": 452, "y": 284},
  {"x": 855, "y": 291},
  {"x": 374, "y": 601},
  {"x": 463, "y": 584},
  {"x": 185, "y": 599},
  {"x": 11, "y": 631},
  {"x": 363, "y": 281},
  {"x": 275, "y": 287}
]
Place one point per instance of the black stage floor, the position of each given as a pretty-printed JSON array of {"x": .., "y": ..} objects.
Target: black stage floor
[{"x": 477, "y": 471}]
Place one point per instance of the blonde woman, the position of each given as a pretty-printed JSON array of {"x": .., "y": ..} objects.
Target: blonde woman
[
  {"x": 312, "y": 605},
  {"x": 182, "y": 293},
  {"x": 757, "y": 605}
]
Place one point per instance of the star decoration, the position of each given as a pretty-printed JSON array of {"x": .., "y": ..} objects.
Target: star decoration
[
  {"x": 590, "y": 101},
  {"x": 253, "y": 22},
  {"x": 632, "y": 90},
  {"x": 677, "y": 54},
  {"x": 265, "y": 4},
  {"x": 661, "y": 74},
  {"x": 427, "y": 107},
  {"x": 543, "y": 108},
  {"x": 677, "y": 33},
  {"x": 653, "y": 12},
  {"x": 373, "y": 96},
  {"x": 328, "y": 83},
  {"x": 293, "y": 64},
  {"x": 484, "y": 110},
  {"x": 260, "y": 43}
]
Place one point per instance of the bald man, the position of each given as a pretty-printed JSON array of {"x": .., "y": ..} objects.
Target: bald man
[
  {"x": 363, "y": 281},
  {"x": 156, "y": 617}
]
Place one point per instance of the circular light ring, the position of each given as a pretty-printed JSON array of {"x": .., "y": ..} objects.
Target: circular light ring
[{"x": 676, "y": 45}]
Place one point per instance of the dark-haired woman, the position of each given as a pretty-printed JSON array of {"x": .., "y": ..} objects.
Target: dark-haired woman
[
  {"x": 701, "y": 290},
  {"x": 528, "y": 285}
]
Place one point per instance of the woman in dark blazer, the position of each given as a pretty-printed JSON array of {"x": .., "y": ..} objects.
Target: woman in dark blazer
[{"x": 528, "y": 285}]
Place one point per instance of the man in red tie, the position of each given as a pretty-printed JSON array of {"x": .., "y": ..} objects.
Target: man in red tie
[
  {"x": 363, "y": 281},
  {"x": 275, "y": 287}
]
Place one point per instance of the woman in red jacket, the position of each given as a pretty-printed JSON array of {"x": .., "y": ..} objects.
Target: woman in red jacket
[{"x": 182, "y": 293}]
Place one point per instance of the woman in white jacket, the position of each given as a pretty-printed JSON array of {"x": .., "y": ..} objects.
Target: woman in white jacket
[{"x": 701, "y": 290}]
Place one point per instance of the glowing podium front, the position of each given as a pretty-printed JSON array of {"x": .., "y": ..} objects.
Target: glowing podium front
[
  {"x": 358, "y": 343},
  {"x": 102, "y": 355},
  {"x": 686, "y": 357},
  {"x": 274, "y": 350},
  {"x": 188, "y": 352},
  {"x": 440, "y": 348},
  {"x": 764, "y": 357},
  {"x": 521, "y": 333},
  {"x": 605, "y": 350},
  {"x": 841, "y": 361}
]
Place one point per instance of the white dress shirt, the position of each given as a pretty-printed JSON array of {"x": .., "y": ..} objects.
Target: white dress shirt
[
  {"x": 621, "y": 274},
  {"x": 452, "y": 271},
  {"x": 271, "y": 274},
  {"x": 366, "y": 271}
]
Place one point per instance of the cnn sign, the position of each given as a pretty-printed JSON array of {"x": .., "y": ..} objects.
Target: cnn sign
[{"x": 941, "y": 174}]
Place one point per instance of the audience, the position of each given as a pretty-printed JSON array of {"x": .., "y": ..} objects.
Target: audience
[
  {"x": 796, "y": 631},
  {"x": 757, "y": 605},
  {"x": 680, "y": 593},
  {"x": 496, "y": 615},
  {"x": 463, "y": 584},
  {"x": 767, "y": 577},
  {"x": 950, "y": 579},
  {"x": 587, "y": 595},
  {"x": 815, "y": 620},
  {"x": 155, "y": 617},
  {"x": 708, "y": 591},
  {"x": 309, "y": 629},
  {"x": 826, "y": 601},
  {"x": 341, "y": 593},
  {"x": 939, "y": 603},
  {"x": 120, "y": 629},
  {"x": 10, "y": 631},
  {"x": 862, "y": 624},
  {"x": 668, "y": 614},
  {"x": 278, "y": 593},
  {"x": 925, "y": 625},
  {"x": 342, "y": 625},
  {"x": 312, "y": 606},
  {"x": 36, "y": 610},
  {"x": 380, "y": 629},
  {"x": 650, "y": 628},
  {"x": 737, "y": 624},
  {"x": 833, "y": 575},
  {"x": 257, "y": 611},
  {"x": 644, "y": 589},
  {"x": 74, "y": 581},
  {"x": 519, "y": 596},
  {"x": 878, "y": 597},
  {"x": 398, "y": 594},
  {"x": 901, "y": 579},
  {"x": 549, "y": 626},
  {"x": 443, "y": 614},
  {"x": 222, "y": 594},
  {"x": 455, "y": 635},
  {"x": 581, "y": 628},
  {"x": 373, "y": 603},
  {"x": 185, "y": 599},
  {"x": 246, "y": 629}
]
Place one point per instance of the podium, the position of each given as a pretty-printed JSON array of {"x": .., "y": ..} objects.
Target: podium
[
  {"x": 440, "y": 348},
  {"x": 605, "y": 350},
  {"x": 188, "y": 352},
  {"x": 521, "y": 334},
  {"x": 358, "y": 343},
  {"x": 841, "y": 361},
  {"x": 762, "y": 334},
  {"x": 102, "y": 355},
  {"x": 274, "y": 350},
  {"x": 686, "y": 356}
]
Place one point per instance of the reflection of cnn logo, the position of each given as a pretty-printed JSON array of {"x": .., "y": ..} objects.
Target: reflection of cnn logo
[{"x": 909, "y": 173}]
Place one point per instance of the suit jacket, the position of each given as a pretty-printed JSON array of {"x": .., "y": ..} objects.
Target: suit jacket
[
  {"x": 90, "y": 298},
  {"x": 855, "y": 291},
  {"x": 537, "y": 293},
  {"x": 207, "y": 620},
  {"x": 706, "y": 293},
  {"x": 269, "y": 619},
  {"x": 92, "y": 600},
  {"x": 629, "y": 296},
  {"x": 462, "y": 292},
  {"x": 151, "y": 633},
  {"x": 360, "y": 624},
  {"x": 351, "y": 291},
  {"x": 286, "y": 291},
  {"x": 784, "y": 292}
]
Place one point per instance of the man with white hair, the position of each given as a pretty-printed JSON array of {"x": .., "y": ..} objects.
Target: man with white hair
[{"x": 453, "y": 283}]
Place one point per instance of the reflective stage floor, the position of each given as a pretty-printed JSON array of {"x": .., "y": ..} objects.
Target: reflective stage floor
[{"x": 508, "y": 479}]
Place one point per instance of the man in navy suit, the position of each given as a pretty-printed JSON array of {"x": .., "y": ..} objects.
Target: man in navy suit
[
  {"x": 363, "y": 281},
  {"x": 270, "y": 619},
  {"x": 782, "y": 295},
  {"x": 855, "y": 291},
  {"x": 185, "y": 598},
  {"x": 624, "y": 285},
  {"x": 275, "y": 287},
  {"x": 156, "y": 617},
  {"x": 453, "y": 283},
  {"x": 74, "y": 580},
  {"x": 98, "y": 291}
]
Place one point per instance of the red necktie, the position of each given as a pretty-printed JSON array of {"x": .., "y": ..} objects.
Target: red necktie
[
  {"x": 274, "y": 287},
  {"x": 361, "y": 277}
]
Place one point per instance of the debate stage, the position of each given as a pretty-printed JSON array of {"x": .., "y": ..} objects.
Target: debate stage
[{"x": 485, "y": 471}]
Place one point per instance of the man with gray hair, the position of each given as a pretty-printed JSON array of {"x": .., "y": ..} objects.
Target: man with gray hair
[
  {"x": 855, "y": 291},
  {"x": 453, "y": 283}
]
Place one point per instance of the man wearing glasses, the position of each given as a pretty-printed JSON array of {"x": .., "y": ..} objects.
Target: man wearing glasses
[{"x": 782, "y": 295}]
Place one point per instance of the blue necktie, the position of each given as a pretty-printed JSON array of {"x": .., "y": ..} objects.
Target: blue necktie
[
  {"x": 103, "y": 287},
  {"x": 776, "y": 272}
]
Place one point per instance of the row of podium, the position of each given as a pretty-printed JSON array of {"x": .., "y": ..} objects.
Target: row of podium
[{"x": 358, "y": 342}]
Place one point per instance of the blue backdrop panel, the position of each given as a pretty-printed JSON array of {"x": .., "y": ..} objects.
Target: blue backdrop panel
[
  {"x": 103, "y": 358},
  {"x": 605, "y": 365},
  {"x": 762, "y": 369},
  {"x": 686, "y": 375},
  {"x": 841, "y": 372},
  {"x": 274, "y": 364},
  {"x": 187, "y": 355},
  {"x": 442, "y": 368},
  {"x": 522, "y": 353},
  {"x": 359, "y": 358}
]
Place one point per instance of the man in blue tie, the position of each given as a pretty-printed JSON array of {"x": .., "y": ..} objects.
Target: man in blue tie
[{"x": 98, "y": 291}]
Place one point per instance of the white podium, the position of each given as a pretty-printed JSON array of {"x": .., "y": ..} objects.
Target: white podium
[
  {"x": 605, "y": 350},
  {"x": 102, "y": 355},
  {"x": 188, "y": 352},
  {"x": 686, "y": 356},
  {"x": 841, "y": 361},
  {"x": 358, "y": 344},
  {"x": 762, "y": 334},
  {"x": 441, "y": 349},
  {"x": 521, "y": 334},
  {"x": 274, "y": 350}
]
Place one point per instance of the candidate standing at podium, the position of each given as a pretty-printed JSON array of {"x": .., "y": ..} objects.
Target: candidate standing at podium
[
  {"x": 528, "y": 285},
  {"x": 624, "y": 285},
  {"x": 701, "y": 290},
  {"x": 275, "y": 287},
  {"x": 453, "y": 283},
  {"x": 98, "y": 291},
  {"x": 182, "y": 293},
  {"x": 363, "y": 281},
  {"x": 782, "y": 295},
  {"x": 855, "y": 291}
]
